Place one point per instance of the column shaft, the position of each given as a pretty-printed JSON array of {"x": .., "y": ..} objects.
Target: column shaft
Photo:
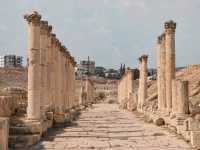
[
  {"x": 182, "y": 97},
  {"x": 34, "y": 70},
  {"x": 170, "y": 60},
  {"x": 143, "y": 80}
]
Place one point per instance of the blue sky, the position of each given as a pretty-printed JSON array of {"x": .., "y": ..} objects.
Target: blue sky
[{"x": 109, "y": 31}]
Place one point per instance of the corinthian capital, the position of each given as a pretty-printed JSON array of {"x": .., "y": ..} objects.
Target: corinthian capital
[
  {"x": 170, "y": 26},
  {"x": 33, "y": 17}
]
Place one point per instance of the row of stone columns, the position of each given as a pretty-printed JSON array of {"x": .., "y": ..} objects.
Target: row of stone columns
[
  {"x": 166, "y": 66},
  {"x": 142, "y": 90},
  {"x": 172, "y": 93},
  {"x": 125, "y": 88},
  {"x": 51, "y": 74}
]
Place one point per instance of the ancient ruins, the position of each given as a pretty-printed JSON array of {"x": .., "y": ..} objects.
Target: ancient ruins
[
  {"x": 172, "y": 108},
  {"x": 51, "y": 96}
]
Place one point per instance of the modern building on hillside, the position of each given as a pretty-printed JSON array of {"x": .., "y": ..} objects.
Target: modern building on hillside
[
  {"x": 11, "y": 61},
  {"x": 100, "y": 71},
  {"x": 86, "y": 67},
  {"x": 112, "y": 74}
]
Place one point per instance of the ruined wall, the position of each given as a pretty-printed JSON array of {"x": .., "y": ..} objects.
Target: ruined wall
[
  {"x": 4, "y": 133},
  {"x": 126, "y": 97},
  {"x": 14, "y": 101},
  {"x": 84, "y": 91}
]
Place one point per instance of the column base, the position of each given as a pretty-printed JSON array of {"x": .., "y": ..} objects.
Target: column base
[{"x": 25, "y": 134}]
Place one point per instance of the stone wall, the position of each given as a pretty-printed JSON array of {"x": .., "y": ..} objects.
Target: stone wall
[
  {"x": 4, "y": 133},
  {"x": 14, "y": 101},
  {"x": 126, "y": 96},
  {"x": 84, "y": 91}
]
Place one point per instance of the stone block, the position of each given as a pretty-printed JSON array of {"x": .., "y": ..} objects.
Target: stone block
[
  {"x": 7, "y": 106},
  {"x": 27, "y": 128},
  {"x": 160, "y": 122},
  {"x": 49, "y": 115},
  {"x": 59, "y": 118},
  {"x": 4, "y": 133},
  {"x": 22, "y": 141},
  {"x": 195, "y": 139},
  {"x": 192, "y": 124}
]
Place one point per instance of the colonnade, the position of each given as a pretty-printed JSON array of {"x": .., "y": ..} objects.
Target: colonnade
[
  {"x": 51, "y": 71},
  {"x": 125, "y": 89},
  {"x": 172, "y": 93}
]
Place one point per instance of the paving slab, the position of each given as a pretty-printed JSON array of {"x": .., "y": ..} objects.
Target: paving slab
[{"x": 106, "y": 127}]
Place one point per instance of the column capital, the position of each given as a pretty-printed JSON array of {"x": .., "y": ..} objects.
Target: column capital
[
  {"x": 33, "y": 17},
  {"x": 143, "y": 57},
  {"x": 159, "y": 39},
  {"x": 50, "y": 30},
  {"x": 44, "y": 27},
  {"x": 63, "y": 48},
  {"x": 170, "y": 26},
  {"x": 67, "y": 53},
  {"x": 53, "y": 38},
  {"x": 57, "y": 42}
]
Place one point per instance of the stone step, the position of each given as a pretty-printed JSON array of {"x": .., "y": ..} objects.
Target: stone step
[
  {"x": 24, "y": 130},
  {"x": 23, "y": 141}
]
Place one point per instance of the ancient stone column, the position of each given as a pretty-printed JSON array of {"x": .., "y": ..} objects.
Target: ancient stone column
[
  {"x": 34, "y": 70},
  {"x": 158, "y": 61},
  {"x": 59, "y": 100},
  {"x": 63, "y": 76},
  {"x": 57, "y": 90},
  {"x": 182, "y": 97},
  {"x": 73, "y": 80},
  {"x": 43, "y": 62},
  {"x": 170, "y": 60},
  {"x": 161, "y": 57},
  {"x": 49, "y": 66},
  {"x": 143, "y": 80},
  {"x": 54, "y": 66},
  {"x": 70, "y": 83},
  {"x": 174, "y": 96},
  {"x": 67, "y": 81},
  {"x": 162, "y": 73}
]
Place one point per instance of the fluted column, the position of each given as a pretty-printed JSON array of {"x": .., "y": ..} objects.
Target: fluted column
[
  {"x": 161, "y": 65},
  {"x": 163, "y": 72},
  {"x": 158, "y": 61},
  {"x": 73, "y": 81},
  {"x": 67, "y": 81},
  {"x": 43, "y": 63},
  {"x": 70, "y": 84},
  {"x": 34, "y": 70},
  {"x": 182, "y": 97},
  {"x": 170, "y": 60},
  {"x": 60, "y": 79},
  {"x": 143, "y": 80},
  {"x": 49, "y": 68},
  {"x": 57, "y": 91},
  {"x": 54, "y": 66},
  {"x": 63, "y": 77}
]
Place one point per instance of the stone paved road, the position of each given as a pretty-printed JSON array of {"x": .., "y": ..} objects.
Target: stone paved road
[{"x": 105, "y": 127}]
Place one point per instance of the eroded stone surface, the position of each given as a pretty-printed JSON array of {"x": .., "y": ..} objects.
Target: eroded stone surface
[{"x": 105, "y": 127}]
